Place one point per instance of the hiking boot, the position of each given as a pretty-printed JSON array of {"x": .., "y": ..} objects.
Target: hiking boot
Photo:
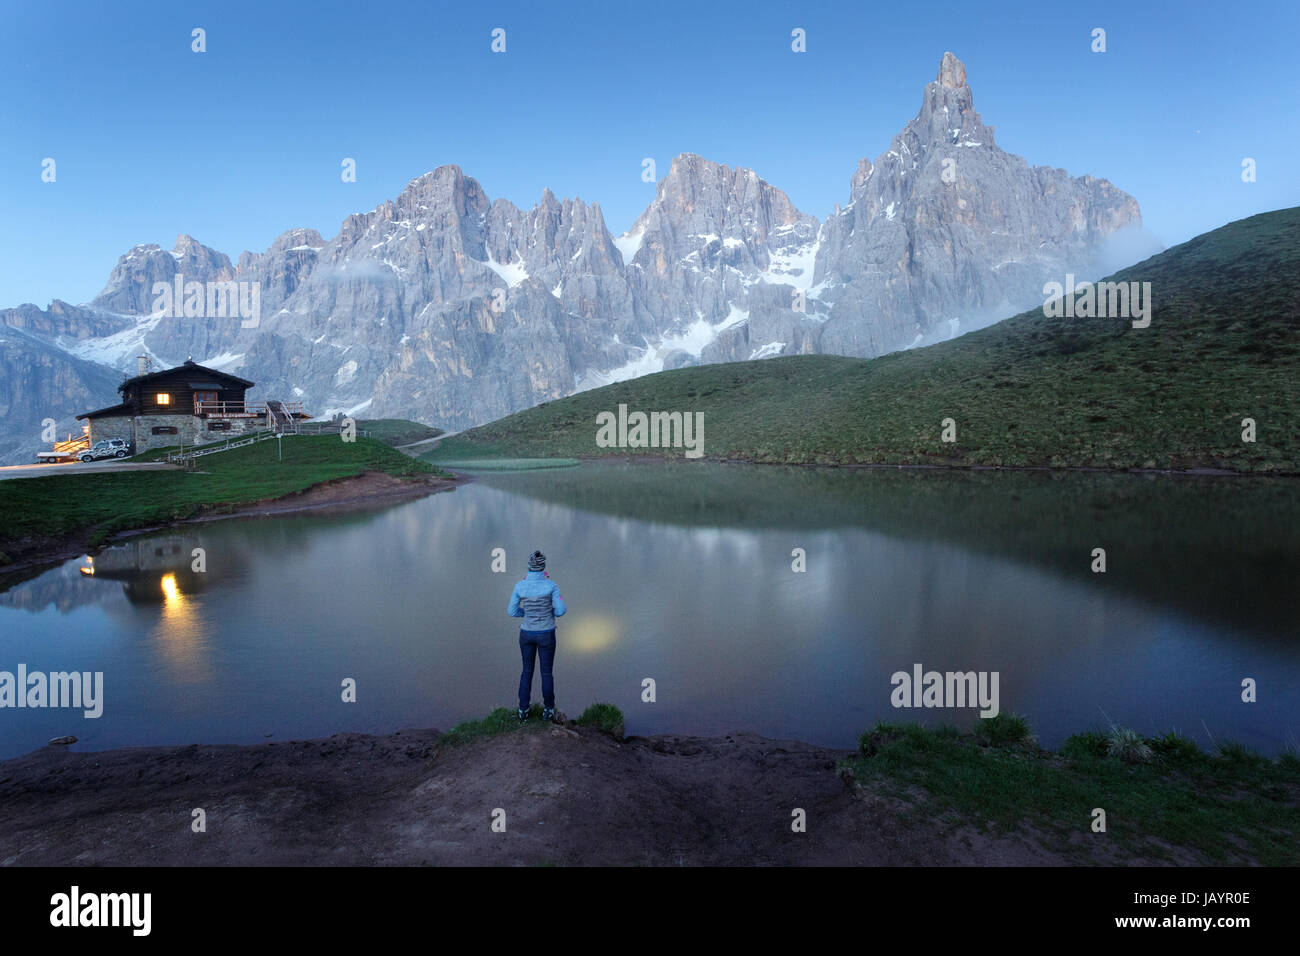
[
  {"x": 548, "y": 713},
  {"x": 522, "y": 715}
]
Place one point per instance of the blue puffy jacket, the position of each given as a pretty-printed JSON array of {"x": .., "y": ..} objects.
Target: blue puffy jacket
[{"x": 537, "y": 600}]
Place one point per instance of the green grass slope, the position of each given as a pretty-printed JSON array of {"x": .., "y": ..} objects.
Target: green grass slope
[
  {"x": 396, "y": 431},
  {"x": 1222, "y": 346},
  {"x": 61, "y": 504}
]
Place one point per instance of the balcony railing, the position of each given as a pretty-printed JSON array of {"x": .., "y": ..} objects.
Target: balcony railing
[{"x": 240, "y": 409}]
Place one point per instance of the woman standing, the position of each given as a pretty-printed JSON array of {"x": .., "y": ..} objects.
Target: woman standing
[{"x": 537, "y": 600}]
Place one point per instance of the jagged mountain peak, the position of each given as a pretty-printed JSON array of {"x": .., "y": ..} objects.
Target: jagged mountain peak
[
  {"x": 946, "y": 229},
  {"x": 717, "y": 200},
  {"x": 952, "y": 72},
  {"x": 448, "y": 172},
  {"x": 443, "y": 305},
  {"x": 444, "y": 189},
  {"x": 187, "y": 245},
  {"x": 692, "y": 167},
  {"x": 947, "y": 115},
  {"x": 130, "y": 284},
  {"x": 685, "y": 163},
  {"x": 297, "y": 239}
]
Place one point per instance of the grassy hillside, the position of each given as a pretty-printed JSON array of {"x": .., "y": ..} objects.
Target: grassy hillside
[
  {"x": 390, "y": 431},
  {"x": 47, "y": 507},
  {"x": 1223, "y": 345}
]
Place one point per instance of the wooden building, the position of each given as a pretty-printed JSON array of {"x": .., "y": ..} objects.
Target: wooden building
[{"x": 187, "y": 405}]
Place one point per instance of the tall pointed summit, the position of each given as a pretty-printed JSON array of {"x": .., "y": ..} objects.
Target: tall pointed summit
[{"x": 945, "y": 231}]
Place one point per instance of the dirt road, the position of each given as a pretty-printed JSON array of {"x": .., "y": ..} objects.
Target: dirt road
[{"x": 80, "y": 468}]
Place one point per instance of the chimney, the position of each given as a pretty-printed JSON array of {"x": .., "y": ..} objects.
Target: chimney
[{"x": 142, "y": 364}]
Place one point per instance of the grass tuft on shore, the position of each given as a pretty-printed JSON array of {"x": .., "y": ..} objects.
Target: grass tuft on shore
[
  {"x": 603, "y": 717},
  {"x": 1128, "y": 746},
  {"x": 500, "y": 721},
  {"x": 1004, "y": 730},
  {"x": 606, "y": 718},
  {"x": 1232, "y": 806}
]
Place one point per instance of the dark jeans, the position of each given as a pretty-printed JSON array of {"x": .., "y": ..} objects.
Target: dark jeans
[{"x": 531, "y": 645}]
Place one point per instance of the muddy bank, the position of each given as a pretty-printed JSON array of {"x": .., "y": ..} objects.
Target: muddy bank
[
  {"x": 343, "y": 494},
  {"x": 571, "y": 795},
  {"x": 32, "y": 555}
]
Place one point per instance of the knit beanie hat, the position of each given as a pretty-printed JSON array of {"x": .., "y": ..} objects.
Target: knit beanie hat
[{"x": 536, "y": 561}]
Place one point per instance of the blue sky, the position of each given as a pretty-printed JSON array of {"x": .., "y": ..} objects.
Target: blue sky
[{"x": 238, "y": 144}]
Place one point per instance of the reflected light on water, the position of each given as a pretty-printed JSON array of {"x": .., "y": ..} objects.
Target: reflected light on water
[
  {"x": 180, "y": 633},
  {"x": 589, "y": 634}
]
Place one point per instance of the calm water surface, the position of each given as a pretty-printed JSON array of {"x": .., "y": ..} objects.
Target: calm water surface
[{"x": 681, "y": 572}]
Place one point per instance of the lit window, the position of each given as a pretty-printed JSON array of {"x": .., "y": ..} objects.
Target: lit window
[{"x": 164, "y": 398}]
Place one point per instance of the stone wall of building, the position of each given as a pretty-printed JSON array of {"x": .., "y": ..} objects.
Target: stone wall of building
[
  {"x": 186, "y": 431},
  {"x": 190, "y": 430},
  {"x": 117, "y": 427}
]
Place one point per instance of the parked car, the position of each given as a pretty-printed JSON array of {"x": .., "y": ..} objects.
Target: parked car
[{"x": 108, "y": 448}]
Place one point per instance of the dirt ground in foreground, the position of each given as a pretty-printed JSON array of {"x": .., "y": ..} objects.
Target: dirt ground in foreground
[{"x": 571, "y": 796}]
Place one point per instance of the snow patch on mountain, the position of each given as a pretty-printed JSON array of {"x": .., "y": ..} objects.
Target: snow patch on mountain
[
  {"x": 628, "y": 244},
  {"x": 691, "y": 339},
  {"x": 792, "y": 267},
  {"x": 512, "y": 273},
  {"x": 335, "y": 410},
  {"x": 226, "y": 360},
  {"x": 117, "y": 350}
]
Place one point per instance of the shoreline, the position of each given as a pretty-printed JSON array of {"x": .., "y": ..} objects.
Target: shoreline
[
  {"x": 75, "y": 544},
  {"x": 572, "y": 793},
  {"x": 351, "y": 493},
  {"x": 1200, "y": 472}
]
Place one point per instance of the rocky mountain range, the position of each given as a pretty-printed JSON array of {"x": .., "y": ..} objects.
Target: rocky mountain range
[{"x": 450, "y": 308}]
